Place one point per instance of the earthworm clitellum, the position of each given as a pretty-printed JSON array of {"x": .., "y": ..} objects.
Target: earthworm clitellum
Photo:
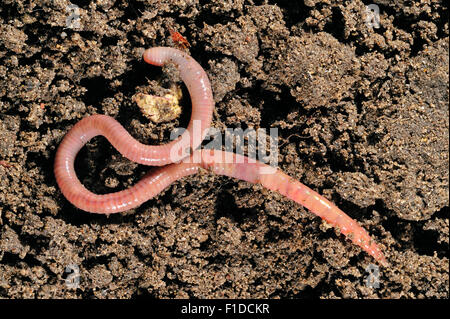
[{"x": 189, "y": 159}]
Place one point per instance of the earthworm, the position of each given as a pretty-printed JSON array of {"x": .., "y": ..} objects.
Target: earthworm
[{"x": 239, "y": 167}]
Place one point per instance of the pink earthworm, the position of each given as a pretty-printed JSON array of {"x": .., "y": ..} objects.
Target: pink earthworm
[{"x": 239, "y": 167}]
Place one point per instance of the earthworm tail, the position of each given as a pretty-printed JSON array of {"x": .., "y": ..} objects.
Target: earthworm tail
[{"x": 285, "y": 185}]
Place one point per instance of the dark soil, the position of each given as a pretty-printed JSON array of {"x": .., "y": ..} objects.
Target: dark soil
[{"x": 362, "y": 115}]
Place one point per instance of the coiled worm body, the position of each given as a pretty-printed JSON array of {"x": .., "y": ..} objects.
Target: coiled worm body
[{"x": 188, "y": 161}]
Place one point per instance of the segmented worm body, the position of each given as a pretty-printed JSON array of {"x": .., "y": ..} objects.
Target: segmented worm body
[{"x": 240, "y": 167}]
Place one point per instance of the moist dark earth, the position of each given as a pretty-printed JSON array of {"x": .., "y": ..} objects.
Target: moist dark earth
[{"x": 362, "y": 117}]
